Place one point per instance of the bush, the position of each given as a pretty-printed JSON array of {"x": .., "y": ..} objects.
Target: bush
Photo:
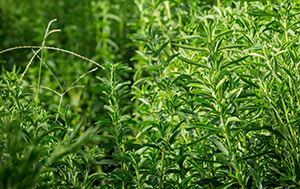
[{"x": 210, "y": 99}]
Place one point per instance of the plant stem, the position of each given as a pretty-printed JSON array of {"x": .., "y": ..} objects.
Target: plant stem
[
  {"x": 59, "y": 106},
  {"x": 39, "y": 76},
  {"x": 162, "y": 170}
]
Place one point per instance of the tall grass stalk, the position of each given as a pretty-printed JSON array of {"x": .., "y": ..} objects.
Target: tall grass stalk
[{"x": 47, "y": 33}]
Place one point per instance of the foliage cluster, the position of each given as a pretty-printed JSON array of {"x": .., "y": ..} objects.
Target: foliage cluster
[{"x": 209, "y": 99}]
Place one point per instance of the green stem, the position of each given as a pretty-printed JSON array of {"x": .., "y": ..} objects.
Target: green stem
[
  {"x": 59, "y": 106},
  {"x": 123, "y": 185},
  {"x": 39, "y": 77},
  {"x": 163, "y": 155},
  {"x": 156, "y": 13},
  {"x": 162, "y": 170}
]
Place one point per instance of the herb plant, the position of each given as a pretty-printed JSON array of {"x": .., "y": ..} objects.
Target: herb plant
[{"x": 206, "y": 96}]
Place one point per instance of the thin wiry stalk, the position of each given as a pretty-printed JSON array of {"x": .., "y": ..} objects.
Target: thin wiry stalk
[
  {"x": 52, "y": 73},
  {"x": 52, "y": 90},
  {"x": 29, "y": 63},
  {"x": 73, "y": 87},
  {"x": 67, "y": 90},
  {"x": 41, "y": 59},
  {"x": 83, "y": 75},
  {"x": 53, "y": 48}
]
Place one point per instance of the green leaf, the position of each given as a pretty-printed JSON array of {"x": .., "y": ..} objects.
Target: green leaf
[
  {"x": 161, "y": 48},
  {"x": 223, "y": 33},
  {"x": 144, "y": 101},
  {"x": 202, "y": 126},
  {"x": 107, "y": 162},
  {"x": 235, "y": 46},
  {"x": 227, "y": 185},
  {"x": 232, "y": 119},
  {"x": 221, "y": 83},
  {"x": 257, "y": 55},
  {"x": 140, "y": 38},
  {"x": 231, "y": 93},
  {"x": 189, "y": 47},
  {"x": 191, "y": 62},
  {"x": 146, "y": 126},
  {"x": 220, "y": 146},
  {"x": 256, "y": 177},
  {"x": 234, "y": 61}
]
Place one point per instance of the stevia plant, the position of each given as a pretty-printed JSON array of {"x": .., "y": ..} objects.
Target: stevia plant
[
  {"x": 211, "y": 101},
  {"x": 34, "y": 148},
  {"x": 229, "y": 70},
  {"x": 116, "y": 128},
  {"x": 44, "y": 149}
]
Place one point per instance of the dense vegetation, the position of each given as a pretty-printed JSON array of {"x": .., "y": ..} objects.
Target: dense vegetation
[{"x": 149, "y": 94}]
